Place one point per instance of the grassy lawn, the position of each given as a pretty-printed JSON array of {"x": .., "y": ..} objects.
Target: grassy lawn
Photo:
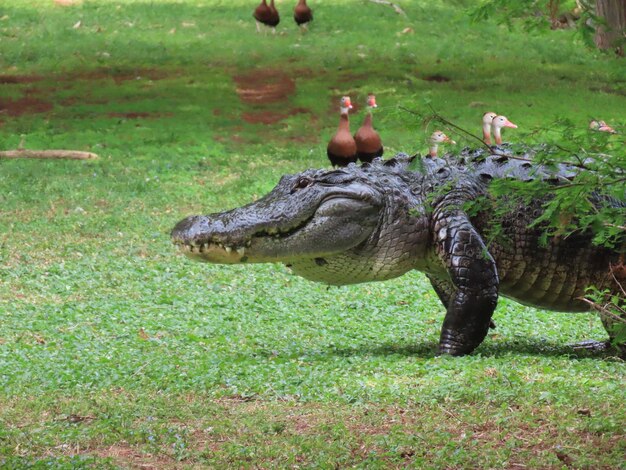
[{"x": 117, "y": 352}]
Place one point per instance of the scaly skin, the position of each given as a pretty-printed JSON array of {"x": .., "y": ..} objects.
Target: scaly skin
[{"x": 380, "y": 220}]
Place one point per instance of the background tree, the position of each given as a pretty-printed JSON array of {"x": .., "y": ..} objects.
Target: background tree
[
  {"x": 601, "y": 22},
  {"x": 611, "y": 30}
]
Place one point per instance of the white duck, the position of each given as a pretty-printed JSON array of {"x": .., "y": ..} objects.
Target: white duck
[
  {"x": 497, "y": 124},
  {"x": 487, "y": 120},
  {"x": 437, "y": 138}
]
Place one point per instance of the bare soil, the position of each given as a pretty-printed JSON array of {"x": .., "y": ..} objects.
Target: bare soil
[
  {"x": 25, "y": 105},
  {"x": 264, "y": 86},
  {"x": 437, "y": 78},
  {"x": 19, "y": 79}
]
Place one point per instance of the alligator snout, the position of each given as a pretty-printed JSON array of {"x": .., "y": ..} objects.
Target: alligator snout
[{"x": 180, "y": 232}]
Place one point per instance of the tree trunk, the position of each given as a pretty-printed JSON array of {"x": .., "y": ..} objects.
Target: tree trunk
[{"x": 613, "y": 33}]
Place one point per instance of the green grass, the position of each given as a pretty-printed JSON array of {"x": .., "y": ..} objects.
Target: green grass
[{"x": 116, "y": 351}]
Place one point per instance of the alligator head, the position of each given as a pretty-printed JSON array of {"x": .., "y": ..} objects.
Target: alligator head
[{"x": 340, "y": 227}]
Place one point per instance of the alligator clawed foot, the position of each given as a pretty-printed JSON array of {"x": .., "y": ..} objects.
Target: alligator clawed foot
[
  {"x": 591, "y": 345},
  {"x": 601, "y": 346},
  {"x": 453, "y": 344}
]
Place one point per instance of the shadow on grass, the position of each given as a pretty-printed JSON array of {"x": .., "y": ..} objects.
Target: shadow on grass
[
  {"x": 487, "y": 349},
  {"x": 428, "y": 350}
]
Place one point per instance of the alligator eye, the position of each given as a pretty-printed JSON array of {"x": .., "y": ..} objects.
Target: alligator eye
[{"x": 301, "y": 183}]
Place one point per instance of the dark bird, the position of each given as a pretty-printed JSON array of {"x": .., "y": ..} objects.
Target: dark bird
[
  {"x": 263, "y": 15},
  {"x": 274, "y": 17},
  {"x": 368, "y": 143},
  {"x": 341, "y": 149},
  {"x": 302, "y": 14}
]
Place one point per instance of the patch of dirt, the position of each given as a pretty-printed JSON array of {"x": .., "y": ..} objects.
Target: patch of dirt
[
  {"x": 271, "y": 117},
  {"x": 18, "y": 79},
  {"x": 264, "y": 86},
  {"x": 139, "y": 115},
  {"x": 351, "y": 77},
  {"x": 24, "y": 105},
  {"x": 609, "y": 90},
  {"x": 231, "y": 138},
  {"x": 118, "y": 76},
  {"x": 134, "y": 458},
  {"x": 437, "y": 78},
  {"x": 72, "y": 101}
]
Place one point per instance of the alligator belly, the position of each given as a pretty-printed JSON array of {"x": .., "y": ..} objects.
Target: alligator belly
[
  {"x": 566, "y": 304},
  {"x": 554, "y": 277}
]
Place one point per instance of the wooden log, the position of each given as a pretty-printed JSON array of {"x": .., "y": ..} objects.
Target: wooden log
[{"x": 50, "y": 154}]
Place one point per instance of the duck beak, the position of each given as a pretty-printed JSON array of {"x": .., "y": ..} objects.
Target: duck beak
[
  {"x": 509, "y": 124},
  {"x": 449, "y": 140}
]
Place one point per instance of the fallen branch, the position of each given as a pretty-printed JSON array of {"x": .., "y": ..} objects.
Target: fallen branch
[
  {"x": 53, "y": 154},
  {"x": 605, "y": 310},
  {"x": 397, "y": 9}
]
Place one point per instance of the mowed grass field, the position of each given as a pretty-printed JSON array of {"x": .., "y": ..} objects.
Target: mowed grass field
[{"x": 117, "y": 352}]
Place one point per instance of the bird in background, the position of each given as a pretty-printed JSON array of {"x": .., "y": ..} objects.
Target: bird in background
[
  {"x": 368, "y": 143},
  {"x": 497, "y": 124},
  {"x": 302, "y": 15},
  {"x": 601, "y": 126},
  {"x": 341, "y": 149},
  {"x": 274, "y": 17},
  {"x": 487, "y": 120},
  {"x": 438, "y": 137},
  {"x": 262, "y": 14}
]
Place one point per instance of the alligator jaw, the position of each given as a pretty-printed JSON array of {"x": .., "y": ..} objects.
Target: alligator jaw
[
  {"x": 337, "y": 224},
  {"x": 218, "y": 251},
  {"x": 214, "y": 252}
]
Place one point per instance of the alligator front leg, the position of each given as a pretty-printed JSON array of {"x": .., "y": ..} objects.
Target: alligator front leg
[
  {"x": 445, "y": 290},
  {"x": 473, "y": 275}
]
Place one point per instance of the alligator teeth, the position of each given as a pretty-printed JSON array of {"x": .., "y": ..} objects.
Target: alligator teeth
[
  {"x": 228, "y": 249},
  {"x": 241, "y": 251}
]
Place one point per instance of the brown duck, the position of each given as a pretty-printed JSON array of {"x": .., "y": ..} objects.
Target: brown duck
[
  {"x": 302, "y": 14},
  {"x": 368, "y": 143},
  {"x": 263, "y": 15},
  {"x": 274, "y": 17},
  {"x": 341, "y": 149}
]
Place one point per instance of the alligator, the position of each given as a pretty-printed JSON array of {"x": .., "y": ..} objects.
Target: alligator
[{"x": 382, "y": 219}]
